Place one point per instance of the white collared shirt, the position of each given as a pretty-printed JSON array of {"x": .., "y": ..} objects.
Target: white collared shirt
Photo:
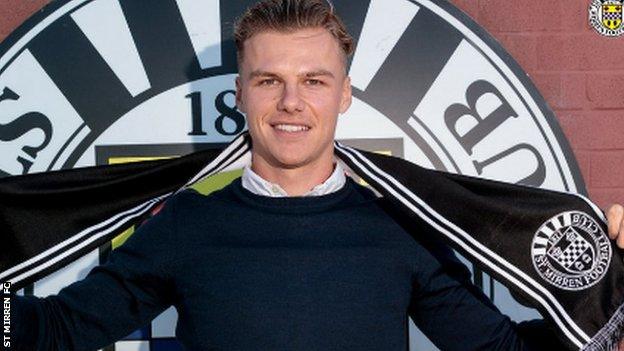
[{"x": 260, "y": 186}]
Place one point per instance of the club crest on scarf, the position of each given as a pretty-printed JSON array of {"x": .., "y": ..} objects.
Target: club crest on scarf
[{"x": 571, "y": 251}]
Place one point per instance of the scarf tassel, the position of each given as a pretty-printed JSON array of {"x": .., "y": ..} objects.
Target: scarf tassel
[{"x": 608, "y": 338}]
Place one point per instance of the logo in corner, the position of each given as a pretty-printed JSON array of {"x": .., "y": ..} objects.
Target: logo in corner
[
  {"x": 571, "y": 251},
  {"x": 605, "y": 16}
]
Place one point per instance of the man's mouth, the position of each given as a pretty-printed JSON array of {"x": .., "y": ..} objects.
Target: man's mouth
[{"x": 291, "y": 128}]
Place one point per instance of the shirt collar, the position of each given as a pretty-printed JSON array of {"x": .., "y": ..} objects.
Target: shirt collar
[{"x": 260, "y": 186}]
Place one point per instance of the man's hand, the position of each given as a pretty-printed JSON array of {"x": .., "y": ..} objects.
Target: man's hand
[{"x": 615, "y": 219}]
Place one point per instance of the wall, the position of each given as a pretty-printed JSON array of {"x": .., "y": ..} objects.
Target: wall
[{"x": 579, "y": 72}]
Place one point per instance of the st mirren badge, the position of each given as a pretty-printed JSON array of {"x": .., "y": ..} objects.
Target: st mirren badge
[
  {"x": 605, "y": 16},
  {"x": 571, "y": 251}
]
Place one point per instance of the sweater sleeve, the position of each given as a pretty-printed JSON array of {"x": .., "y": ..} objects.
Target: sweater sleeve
[
  {"x": 456, "y": 315},
  {"x": 116, "y": 298}
]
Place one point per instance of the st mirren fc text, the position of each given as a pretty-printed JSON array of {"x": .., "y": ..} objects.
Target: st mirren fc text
[{"x": 6, "y": 320}]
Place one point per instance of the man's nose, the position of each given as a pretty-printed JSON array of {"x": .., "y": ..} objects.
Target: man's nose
[{"x": 291, "y": 101}]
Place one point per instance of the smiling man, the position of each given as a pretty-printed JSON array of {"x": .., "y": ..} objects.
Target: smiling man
[
  {"x": 292, "y": 86},
  {"x": 300, "y": 257}
]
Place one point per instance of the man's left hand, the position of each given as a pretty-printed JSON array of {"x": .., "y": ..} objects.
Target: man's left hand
[{"x": 615, "y": 219}]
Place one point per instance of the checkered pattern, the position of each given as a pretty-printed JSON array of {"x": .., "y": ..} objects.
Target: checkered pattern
[
  {"x": 573, "y": 252},
  {"x": 612, "y": 16}
]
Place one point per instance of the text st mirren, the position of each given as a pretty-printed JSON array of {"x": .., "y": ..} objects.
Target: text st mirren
[
  {"x": 571, "y": 251},
  {"x": 6, "y": 319}
]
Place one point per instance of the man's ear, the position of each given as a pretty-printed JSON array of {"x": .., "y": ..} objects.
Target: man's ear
[
  {"x": 345, "y": 100},
  {"x": 239, "y": 95}
]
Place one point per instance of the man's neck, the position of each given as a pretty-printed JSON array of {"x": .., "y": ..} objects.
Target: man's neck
[{"x": 295, "y": 181}]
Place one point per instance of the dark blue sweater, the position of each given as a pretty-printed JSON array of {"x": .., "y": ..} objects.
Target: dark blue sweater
[{"x": 248, "y": 272}]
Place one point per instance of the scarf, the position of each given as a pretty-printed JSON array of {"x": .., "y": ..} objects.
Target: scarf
[{"x": 548, "y": 247}]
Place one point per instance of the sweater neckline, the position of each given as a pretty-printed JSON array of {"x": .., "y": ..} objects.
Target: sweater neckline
[{"x": 293, "y": 204}]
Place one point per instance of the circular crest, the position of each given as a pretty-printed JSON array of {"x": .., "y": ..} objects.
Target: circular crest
[
  {"x": 606, "y": 17},
  {"x": 571, "y": 251}
]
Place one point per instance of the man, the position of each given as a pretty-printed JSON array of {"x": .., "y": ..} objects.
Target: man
[{"x": 299, "y": 257}]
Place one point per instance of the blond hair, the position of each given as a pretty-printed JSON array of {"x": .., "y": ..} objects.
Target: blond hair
[{"x": 288, "y": 16}]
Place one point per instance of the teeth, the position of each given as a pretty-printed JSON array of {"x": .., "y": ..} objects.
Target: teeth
[{"x": 291, "y": 128}]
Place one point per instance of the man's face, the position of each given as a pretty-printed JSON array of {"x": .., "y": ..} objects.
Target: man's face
[{"x": 292, "y": 86}]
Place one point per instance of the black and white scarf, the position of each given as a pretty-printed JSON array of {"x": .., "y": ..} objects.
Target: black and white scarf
[{"x": 548, "y": 247}]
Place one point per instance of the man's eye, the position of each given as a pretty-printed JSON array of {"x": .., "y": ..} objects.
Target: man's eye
[
  {"x": 268, "y": 82},
  {"x": 314, "y": 82}
]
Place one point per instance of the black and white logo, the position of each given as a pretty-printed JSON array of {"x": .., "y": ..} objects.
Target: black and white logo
[{"x": 571, "y": 251}]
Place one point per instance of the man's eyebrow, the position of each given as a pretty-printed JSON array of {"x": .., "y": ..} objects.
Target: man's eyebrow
[
  {"x": 260, "y": 73},
  {"x": 315, "y": 73},
  {"x": 320, "y": 72}
]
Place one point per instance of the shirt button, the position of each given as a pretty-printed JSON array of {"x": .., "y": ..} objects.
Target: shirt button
[{"x": 275, "y": 189}]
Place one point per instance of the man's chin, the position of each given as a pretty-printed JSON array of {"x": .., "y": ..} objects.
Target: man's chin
[
  {"x": 291, "y": 158},
  {"x": 291, "y": 163}
]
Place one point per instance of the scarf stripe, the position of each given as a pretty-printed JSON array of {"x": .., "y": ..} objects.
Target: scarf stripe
[
  {"x": 231, "y": 151},
  {"x": 495, "y": 263},
  {"x": 77, "y": 243},
  {"x": 90, "y": 237}
]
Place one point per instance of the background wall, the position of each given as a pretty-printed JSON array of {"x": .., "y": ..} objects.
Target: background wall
[{"x": 579, "y": 72}]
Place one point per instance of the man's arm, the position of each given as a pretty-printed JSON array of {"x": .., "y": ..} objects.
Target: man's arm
[
  {"x": 456, "y": 315},
  {"x": 131, "y": 289},
  {"x": 453, "y": 312}
]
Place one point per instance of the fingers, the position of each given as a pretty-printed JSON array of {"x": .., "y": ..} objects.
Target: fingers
[{"x": 614, "y": 219}]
